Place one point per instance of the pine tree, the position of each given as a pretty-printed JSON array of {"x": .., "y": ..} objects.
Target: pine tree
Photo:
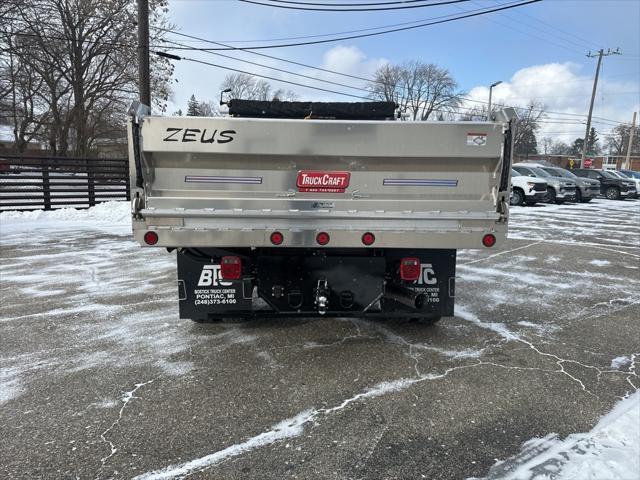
[
  {"x": 592, "y": 144},
  {"x": 193, "y": 107}
]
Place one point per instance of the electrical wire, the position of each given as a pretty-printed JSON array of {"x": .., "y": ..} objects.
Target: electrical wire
[
  {"x": 270, "y": 78},
  {"x": 329, "y": 4},
  {"x": 335, "y": 72},
  {"x": 316, "y": 9},
  {"x": 384, "y": 32}
]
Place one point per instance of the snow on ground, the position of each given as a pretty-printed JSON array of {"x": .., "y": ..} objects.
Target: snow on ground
[
  {"x": 610, "y": 451},
  {"x": 114, "y": 217}
]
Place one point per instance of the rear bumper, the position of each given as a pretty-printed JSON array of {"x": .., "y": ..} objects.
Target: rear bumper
[{"x": 428, "y": 230}]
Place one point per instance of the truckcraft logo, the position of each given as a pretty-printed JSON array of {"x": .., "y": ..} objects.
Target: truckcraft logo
[
  {"x": 328, "y": 182},
  {"x": 211, "y": 277}
]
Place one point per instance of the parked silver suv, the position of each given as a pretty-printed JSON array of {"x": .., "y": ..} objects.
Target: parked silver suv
[
  {"x": 559, "y": 189},
  {"x": 586, "y": 187}
]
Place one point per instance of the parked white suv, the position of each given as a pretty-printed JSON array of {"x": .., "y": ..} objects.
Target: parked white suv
[{"x": 527, "y": 190}]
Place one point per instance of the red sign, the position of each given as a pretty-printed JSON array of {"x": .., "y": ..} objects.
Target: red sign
[
  {"x": 327, "y": 182},
  {"x": 588, "y": 163}
]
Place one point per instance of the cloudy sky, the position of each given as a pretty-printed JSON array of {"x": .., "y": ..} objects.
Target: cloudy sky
[{"x": 538, "y": 51}]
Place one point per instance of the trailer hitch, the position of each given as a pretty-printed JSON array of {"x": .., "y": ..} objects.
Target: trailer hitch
[{"x": 322, "y": 296}]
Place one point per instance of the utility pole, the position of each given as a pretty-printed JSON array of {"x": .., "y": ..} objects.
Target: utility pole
[
  {"x": 601, "y": 53},
  {"x": 627, "y": 162},
  {"x": 144, "y": 82}
]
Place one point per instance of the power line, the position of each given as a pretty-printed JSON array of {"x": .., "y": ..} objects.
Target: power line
[
  {"x": 336, "y": 83},
  {"x": 511, "y": 26},
  {"x": 384, "y": 32},
  {"x": 273, "y": 68},
  {"x": 329, "y": 4},
  {"x": 459, "y": 110},
  {"x": 310, "y": 8},
  {"x": 347, "y": 32},
  {"x": 369, "y": 80},
  {"x": 268, "y": 77},
  {"x": 556, "y": 30}
]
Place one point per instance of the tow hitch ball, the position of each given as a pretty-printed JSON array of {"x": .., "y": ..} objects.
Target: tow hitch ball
[{"x": 322, "y": 297}]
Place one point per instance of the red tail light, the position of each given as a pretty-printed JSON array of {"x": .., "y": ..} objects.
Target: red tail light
[
  {"x": 410, "y": 269},
  {"x": 368, "y": 238},
  {"x": 277, "y": 238},
  {"x": 323, "y": 238},
  {"x": 231, "y": 268},
  {"x": 150, "y": 238},
  {"x": 489, "y": 240}
]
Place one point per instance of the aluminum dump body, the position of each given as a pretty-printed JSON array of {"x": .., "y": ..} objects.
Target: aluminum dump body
[{"x": 231, "y": 182}]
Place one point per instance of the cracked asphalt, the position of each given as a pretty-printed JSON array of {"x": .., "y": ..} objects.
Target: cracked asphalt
[{"x": 100, "y": 379}]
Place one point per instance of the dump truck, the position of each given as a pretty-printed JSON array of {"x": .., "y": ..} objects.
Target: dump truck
[{"x": 307, "y": 209}]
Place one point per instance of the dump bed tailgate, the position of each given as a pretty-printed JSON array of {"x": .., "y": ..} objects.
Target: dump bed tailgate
[{"x": 231, "y": 182}]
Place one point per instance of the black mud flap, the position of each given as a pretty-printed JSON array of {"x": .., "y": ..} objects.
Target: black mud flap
[
  {"x": 204, "y": 294},
  {"x": 315, "y": 282}
]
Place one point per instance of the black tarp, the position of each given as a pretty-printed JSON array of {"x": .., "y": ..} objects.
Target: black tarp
[{"x": 326, "y": 110}]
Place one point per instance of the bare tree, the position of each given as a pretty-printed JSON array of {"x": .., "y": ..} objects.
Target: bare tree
[
  {"x": 246, "y": 87},
  {"x": 84, "y": 53},
  {"x": 20, "y": 106},
  {"x": 419, "y": 89},
  {"x": 526, "y": 126},
  {"x": 560, "y": 148},
  {"x": 617, "y": 141},
  {"x": 283, "y": 95},
  {"x": 209, "y": 109},
  {"x": 546, "y": 143},
  {"x": 477, "y": 113}
]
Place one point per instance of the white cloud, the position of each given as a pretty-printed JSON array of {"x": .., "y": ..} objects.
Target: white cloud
[
  {"x": 344, "y": 59},
  {"x": 562, "y": 88},
  {"x": 351, "y": 60}
]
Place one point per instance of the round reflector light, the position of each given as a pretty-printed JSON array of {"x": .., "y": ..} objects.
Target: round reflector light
[
  {"x": 151, "y": 238},
  {"x": 368, "y": 238},
  {"x": 277, "y": 238},
  {"x": 322, "y": 238},
  {"x": 489, "y": 240}
]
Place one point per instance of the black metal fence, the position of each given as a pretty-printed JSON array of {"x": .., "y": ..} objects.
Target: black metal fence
[{"x": 36, "y": 182}]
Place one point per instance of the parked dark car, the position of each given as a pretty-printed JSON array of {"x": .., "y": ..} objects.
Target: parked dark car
[{"x": 612, "y": 187}]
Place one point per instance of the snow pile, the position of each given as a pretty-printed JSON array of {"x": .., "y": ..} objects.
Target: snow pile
[
  {"x": 610, "y": 451},
  {"x": 111, "y": 212},
  {"x": 108, "y": 214}
]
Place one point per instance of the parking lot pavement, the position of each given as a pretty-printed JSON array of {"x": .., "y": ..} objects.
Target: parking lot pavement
[{"x": 100, "y": 379}]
